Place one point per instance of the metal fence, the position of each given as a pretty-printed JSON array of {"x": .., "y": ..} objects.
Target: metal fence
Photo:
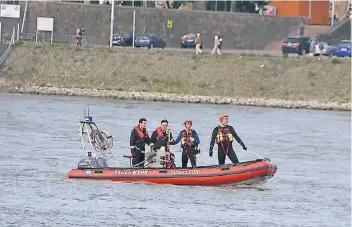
[
  {"x": 41, "y": 37},
  {"x": 7, "y": 31}
]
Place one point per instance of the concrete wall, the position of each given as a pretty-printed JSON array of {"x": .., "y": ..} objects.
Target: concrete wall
[{"x": 240, "y": 31}]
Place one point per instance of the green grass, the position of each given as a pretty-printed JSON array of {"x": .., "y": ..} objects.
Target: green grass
[{"x": 157, "y": 70}]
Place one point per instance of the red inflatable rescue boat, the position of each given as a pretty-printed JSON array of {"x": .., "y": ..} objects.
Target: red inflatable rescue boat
[
  {"x": 251, "y": 172},
  {"x": 94, "y": 165}
]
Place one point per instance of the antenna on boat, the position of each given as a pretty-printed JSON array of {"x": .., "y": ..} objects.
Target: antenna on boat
[{"x": 87, "y": 116}]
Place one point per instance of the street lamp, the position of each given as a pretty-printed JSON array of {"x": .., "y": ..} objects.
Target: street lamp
[
  {"x": 310, "y": 11},
  {"x": 332, "y": 12},
  {"x": 112, "y": 21}
]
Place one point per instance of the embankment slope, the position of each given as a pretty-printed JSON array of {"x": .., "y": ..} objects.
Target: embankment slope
[{"x": 247, "y": 79}]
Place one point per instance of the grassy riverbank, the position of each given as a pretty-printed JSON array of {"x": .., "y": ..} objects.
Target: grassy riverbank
[{"x": 155, "y": 70}]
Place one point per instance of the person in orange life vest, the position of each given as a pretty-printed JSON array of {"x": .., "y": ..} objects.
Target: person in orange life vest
[
  {"x": 189, "y": 143},
  {"x": 160, "y": 137},
  {"x": 224, "y": 135},
  {"x": 139, "y": 138}
]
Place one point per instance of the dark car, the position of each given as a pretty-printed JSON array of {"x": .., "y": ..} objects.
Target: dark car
[
  {"x": 149, "y": 40},
  {"x": 296, "y": 45},
  {"x": 122, "y": 39},
  {"x": 188, "y": 40}
]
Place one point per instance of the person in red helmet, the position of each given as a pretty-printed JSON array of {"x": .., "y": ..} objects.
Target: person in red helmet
[
  {"x": 224, "y": 136},
  {"x": 189, "y": 144}
]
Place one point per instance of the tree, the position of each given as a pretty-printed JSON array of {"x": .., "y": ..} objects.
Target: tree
[{"x": 247, "y": 6}]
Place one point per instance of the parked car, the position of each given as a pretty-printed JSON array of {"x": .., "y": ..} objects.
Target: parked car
[
  {"x": 122, "y": 39},
  {"x": 149, "y": 40},
  {"x": 296, "y": 45},
  {"x": 344, "y": 48},
  {"x": 325, "y": 48},
  {"x": 188, "y": 40}
]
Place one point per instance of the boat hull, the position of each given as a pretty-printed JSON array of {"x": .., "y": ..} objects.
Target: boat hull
[{"x": 252, "y": 172}]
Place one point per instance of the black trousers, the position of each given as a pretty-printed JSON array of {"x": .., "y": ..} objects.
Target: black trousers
[
  {"x": 189, "y": 154},
  {"x": 222, "y": 150},
  {"x": 139, "y": 158}
]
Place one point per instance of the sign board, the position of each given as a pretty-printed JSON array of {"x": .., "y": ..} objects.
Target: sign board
[
  {"x": 169, "y": 23},
  {"x": 12, "y": 11},
  {"x": 45, "y": 24}
]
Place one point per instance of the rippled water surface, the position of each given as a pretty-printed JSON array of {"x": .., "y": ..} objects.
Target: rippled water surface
[{"x": 40, "y": 144}]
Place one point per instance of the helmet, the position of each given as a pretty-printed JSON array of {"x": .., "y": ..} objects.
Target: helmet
[
  {"x": 223, "y": 116},
  {"x": 187, "y": 120}
]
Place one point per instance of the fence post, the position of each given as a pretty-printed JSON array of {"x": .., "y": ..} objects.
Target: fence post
[
  {"x": 13, "y": 35},
  {"x": 134, "y": 27},
  {"x": 18, "y": 31}
]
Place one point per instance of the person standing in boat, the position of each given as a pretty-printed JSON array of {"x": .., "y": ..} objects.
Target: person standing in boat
[
  {"x": 224, "y": 136},
  {"x": 161, "y": 137},
  {"x": 139, "y": 138},
  {"x": 189, "y": 144},
  {"x": 161, "y": 140}
]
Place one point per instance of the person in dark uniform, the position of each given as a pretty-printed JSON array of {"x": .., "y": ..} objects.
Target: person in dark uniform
[
  {"x": 139, "y": 138},
  {"x": 161, "y": 136},
  {"x": 189, "y": 144},
  {"x": 224, "y": 135}
]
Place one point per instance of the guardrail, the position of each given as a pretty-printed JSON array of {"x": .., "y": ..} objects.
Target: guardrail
[{"x": 9, "y": 48}]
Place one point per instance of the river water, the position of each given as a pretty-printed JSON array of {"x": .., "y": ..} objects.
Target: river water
[{"x": 40, "y": 144}]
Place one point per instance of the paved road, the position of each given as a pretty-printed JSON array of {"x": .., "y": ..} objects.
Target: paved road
[
  {"x": 226, "y": 51},
  {"x": 232, "y": 51},
  {"x": 256, "y": 52}
]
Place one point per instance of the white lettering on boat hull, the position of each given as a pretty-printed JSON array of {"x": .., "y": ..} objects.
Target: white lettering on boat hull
[
  {"x": 185, "y": 172},
  {"x": 131, "y": 172}
]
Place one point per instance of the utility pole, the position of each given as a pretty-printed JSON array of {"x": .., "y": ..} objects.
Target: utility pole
[{"x": 310, "y": 11}]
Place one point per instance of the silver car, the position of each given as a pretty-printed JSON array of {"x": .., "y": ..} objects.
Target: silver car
[{"x": 325, "y": 48}]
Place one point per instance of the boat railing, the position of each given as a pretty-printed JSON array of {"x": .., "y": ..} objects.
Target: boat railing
[{"x": 100, "y": 141}]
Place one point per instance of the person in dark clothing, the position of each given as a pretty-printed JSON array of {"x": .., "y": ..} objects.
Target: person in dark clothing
[
  {"x": 139, "y": 138},
  {"x": 161, "y": 140},
  {"x": 189, "y": 144},
  {"x": 161, "y": 136},
  {"x": 83, "y": 31},
  {"x": 224, "y": 135},
  {"x": 301, "y": 30}
]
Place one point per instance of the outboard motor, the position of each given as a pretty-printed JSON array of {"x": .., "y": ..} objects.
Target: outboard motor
[
  {"x": 92, "y": 163},
  {"x": 150, "y": 157}
]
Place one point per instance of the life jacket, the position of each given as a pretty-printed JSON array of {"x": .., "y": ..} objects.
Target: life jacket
[
  {"x": 160, "y": 132},
  {"x": 141, "y": 134},
  {"x": 224, "y": 135},
  {"x": 186, "y": 138}
]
